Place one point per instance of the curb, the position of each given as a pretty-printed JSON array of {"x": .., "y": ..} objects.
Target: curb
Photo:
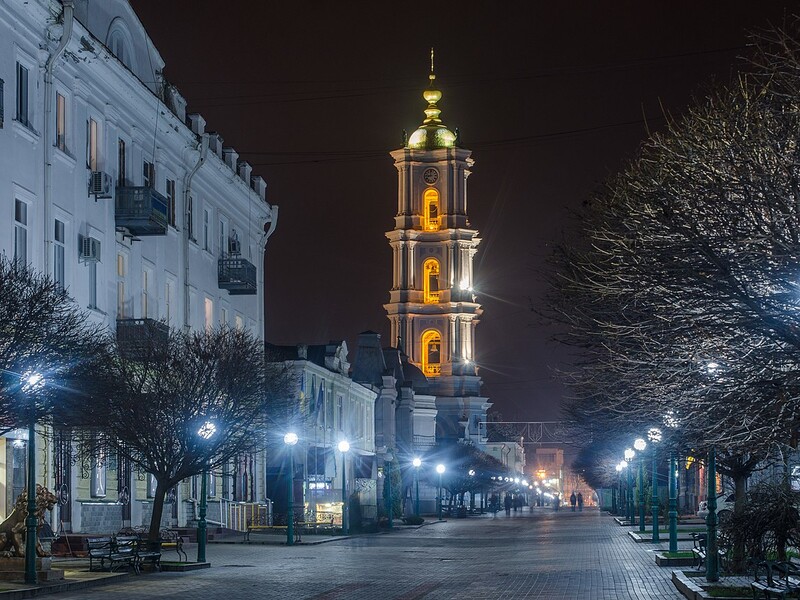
[{"x": 66, "y": 586}]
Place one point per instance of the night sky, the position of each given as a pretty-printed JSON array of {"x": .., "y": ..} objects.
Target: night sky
[{"x": 551, "y": 97}]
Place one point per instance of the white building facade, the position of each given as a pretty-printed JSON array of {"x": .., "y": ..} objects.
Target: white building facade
[
  {"x": 109, "y": 187},
  {"x": 329, "y": 407}
]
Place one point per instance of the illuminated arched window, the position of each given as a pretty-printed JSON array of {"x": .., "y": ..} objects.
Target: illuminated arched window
[
  {"x": 430, "y": 285},
  {"x": 431, "y": 202},
  {"x": 431, "y": 353}
]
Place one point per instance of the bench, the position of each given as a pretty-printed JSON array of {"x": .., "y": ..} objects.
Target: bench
[
  {"x": 775, "y": 580},
  {"x": 261, "y": 523},
  {"x": 117, "y": 551},
  {"x": 168, "y": 539},
  {"x": 699, "y": 541}
]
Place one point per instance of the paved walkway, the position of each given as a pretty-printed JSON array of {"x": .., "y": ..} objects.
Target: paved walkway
[{"x": 538, "y": 554}]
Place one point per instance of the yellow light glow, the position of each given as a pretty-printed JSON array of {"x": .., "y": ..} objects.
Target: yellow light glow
[
  {"x": 431, "y": 353},
  {"x": 430, "y": 200},
  {"x": 430, "y": 283}
]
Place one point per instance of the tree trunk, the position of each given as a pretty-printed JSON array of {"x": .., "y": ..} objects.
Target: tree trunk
[
  {"x": 740, "y": 487},
  {"x": 158, "y": 509}
]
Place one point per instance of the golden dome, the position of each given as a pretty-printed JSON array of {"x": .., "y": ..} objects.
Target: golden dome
[{"x": 432, "y": 133}]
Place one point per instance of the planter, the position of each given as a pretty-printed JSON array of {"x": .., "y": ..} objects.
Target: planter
[{"x": 667, "y": 561}]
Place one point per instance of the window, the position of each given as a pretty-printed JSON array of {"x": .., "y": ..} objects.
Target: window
[
  {"x": 223, "y": 316},
  {"x": 239, "y": 322},
  {"x": 122, "y": 274},
  {"x": 206, "y": 232},
  {"x": 209, "y": 313},
  {"x": 92, "y": 284},
  {"x": 430, "y": 284},
  {"x": 431, "y": 202},
  {"x": 152, "y": 482},
  {"x": 431, "y": 353},
  {"x": 61, "y": 122},
  {"x": 22, "y": 96},
  {"x": 170, "y": 307},
  {"x": 99, "y": 475},
  {"x": 170, "y": 193},
  {"x": 147, "y": 286},
  {"x": 148, "y": 174},
  {"x": 121, "y": 170},
  {"x": 58, "y": 254},
  {"x": 2, "y": 114},
  {"x": 340, "y": 412},
  {"x": 222, "y": 238},
  {"x": 190, "y": 218},
  {"x": 91, "y": 145},
  {"x": 20, "y": 232}
]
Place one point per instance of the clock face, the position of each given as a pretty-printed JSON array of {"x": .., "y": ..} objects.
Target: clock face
[{"x": 430, "y": 176}]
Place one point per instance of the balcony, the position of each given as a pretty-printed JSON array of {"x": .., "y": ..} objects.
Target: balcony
[
  {"x": 237, "y": 275},
  {"x": 139, "y": 339},
  {"x": 141, "y": 210}
]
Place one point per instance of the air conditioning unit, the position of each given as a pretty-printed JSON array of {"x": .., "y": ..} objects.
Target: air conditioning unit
[
  {"x": 89, "y": 249},
  {"x": 100, "y": 184},
  {"x": 234, "y": 246}
]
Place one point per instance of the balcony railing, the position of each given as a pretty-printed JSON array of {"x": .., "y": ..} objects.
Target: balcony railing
[
  {"x": 139, "y": 339},
  {"x": 141, "y": 210},
  {"x": 433, "y": 369},
  {"x": 237, "y": 275}
]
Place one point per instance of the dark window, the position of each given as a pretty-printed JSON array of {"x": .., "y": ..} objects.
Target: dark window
[
  {"x": 22, "y": 95},
  {"x": 121, "y": 175},
  {"x": 171, "y": 201}
]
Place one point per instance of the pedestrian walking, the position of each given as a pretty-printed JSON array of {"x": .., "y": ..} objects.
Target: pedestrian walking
[
  {"x": 572, "y": 501},
  {"x": 507, "y": 502},
  {"x": 580, "y": 502},
  {"x": 556, "y": 502}
]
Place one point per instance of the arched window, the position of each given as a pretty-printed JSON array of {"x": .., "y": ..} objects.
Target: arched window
[
  {"x": 120, "y": 42},
  {"x": 430, "y": 285},
  {"x": 431, "y": 353},
  {"x": 431, "y": 202}
]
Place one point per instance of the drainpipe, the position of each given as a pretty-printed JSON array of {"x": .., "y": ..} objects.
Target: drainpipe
[
  {"x": 187, "y": 191},
  {"x": 261, "y": 284},
  {"x": 49, "y": 67}
]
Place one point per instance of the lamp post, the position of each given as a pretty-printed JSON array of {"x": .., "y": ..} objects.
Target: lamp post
[
  {"x": 290, "y": 439},
  {"x": 387, "y": 488},
  {"x": 31, "y": 383},
  {"x": 712, "y": 558},
  {"x": 417, "y": 462},
  {"x": 673, "y": 503},
  {"x": 440, "y": 469},
  {"x": 206, "y": 432},
  {"x": 629, "y": 456},
  {"x": 344, "y": 447},
  {"x": 640, "y": 445},
  {"x": 654, "y": 435},
  {"x": 615, "y": 491}
]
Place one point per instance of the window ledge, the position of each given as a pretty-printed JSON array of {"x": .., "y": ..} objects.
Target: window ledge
[
  {"x": 26, "y": 131},
  {"x": 64, "y": 156}
]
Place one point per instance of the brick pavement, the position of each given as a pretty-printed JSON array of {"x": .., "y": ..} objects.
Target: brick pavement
[{"x": 538, "y": 554}]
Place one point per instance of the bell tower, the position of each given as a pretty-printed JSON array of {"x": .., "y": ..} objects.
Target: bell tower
[{"x": 432, "y": 307}]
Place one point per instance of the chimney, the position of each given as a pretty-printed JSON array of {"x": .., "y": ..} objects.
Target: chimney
[
  {"x": 260, "y": 186},
  {"x": 245, "y": 171},
  {"x": 231, "y": 158}
]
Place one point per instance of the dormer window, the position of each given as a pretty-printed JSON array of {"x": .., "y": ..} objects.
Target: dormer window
[{"x": 119, "y": 42}]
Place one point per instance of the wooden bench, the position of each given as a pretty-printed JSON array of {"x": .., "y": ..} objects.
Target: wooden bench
[
  {"x": 700, "y": 541},
  {"x": 261, "y": 523},
  {"x": 117, "y": 551},
  {"x": 775, "y": 580},
  {"x": 168, "y": 539}
]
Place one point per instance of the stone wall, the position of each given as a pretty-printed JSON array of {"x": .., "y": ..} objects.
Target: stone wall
[
  {"x": 101, "y": 518},
  {"x": 147, "y": 514}
]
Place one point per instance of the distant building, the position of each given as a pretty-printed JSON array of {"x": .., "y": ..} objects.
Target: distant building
[
  {"x": 148, "y": 221},
  {"x": 330, "y": 407}
]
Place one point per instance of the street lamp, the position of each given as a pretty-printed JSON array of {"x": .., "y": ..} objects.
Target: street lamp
[
  {"x": 640, "y": 445},
  {"x": 206, "y": 432},
  {"x": 290, "y": 439},
  {"x": 440, "y": 469},
  {"x": 417, "y": 462},
  {"x": 31, "y": 383},
  {"x": 629, "y": 456},
  {"x": 654, "y": 435},
  {"x": 616, "y": 492},
  {"x": 344, "y": 448},
  {"x": 387, "y": 487}
]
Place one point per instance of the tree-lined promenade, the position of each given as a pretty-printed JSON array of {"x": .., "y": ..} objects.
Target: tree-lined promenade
[{"x": 680, "y": 292}]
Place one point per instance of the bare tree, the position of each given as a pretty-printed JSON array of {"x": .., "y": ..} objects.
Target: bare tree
[
  {"x": 157, "y": 402},
  {"x": 42, "y": 331},
  {"x": 680, "y": 292}
]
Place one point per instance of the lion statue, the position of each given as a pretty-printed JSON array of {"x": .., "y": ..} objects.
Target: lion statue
[{"x": 12, "y": 529}]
